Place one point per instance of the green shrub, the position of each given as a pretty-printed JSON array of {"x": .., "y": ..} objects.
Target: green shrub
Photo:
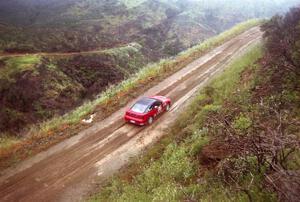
[
  {"x": 211, "y": 108},
  {"x": 176, "y": 163},
  {"x": 16, "y": 65},
  {"x": 197, "y": 141},
  {"x": 242, "y": 123},
  {"x": 167, "y": 192},
  {"x": 150, "y": 178},
  {"x": 6, "y": 141}
]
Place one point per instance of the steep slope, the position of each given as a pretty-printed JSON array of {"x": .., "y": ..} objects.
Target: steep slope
[{"x": 35, "y": 88}]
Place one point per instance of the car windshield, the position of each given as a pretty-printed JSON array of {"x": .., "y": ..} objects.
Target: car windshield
[{"x": 139, "y": 108}]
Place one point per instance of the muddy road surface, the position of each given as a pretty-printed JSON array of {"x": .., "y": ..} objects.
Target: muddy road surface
[{"x": 71, "y": 169}]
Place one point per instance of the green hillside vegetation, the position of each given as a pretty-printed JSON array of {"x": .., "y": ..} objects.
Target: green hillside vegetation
[
  {"x": 34, "y": 88},
  {"x": 239, "y": 138},
  {"x": 159, "y": 26},
  {"x": 11, "y": 66}
]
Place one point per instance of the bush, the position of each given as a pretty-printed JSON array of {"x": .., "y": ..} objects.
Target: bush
[
  {"x": 176, "y": 163},
  {"x": 242, "y": 123},
  {"x": 211, "y": 108},
  {"x": 167, "y": 192}
]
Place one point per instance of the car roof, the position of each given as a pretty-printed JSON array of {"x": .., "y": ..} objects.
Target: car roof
[{"x": 146, "y": 101}]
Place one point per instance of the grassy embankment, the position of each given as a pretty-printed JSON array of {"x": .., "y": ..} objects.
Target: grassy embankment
[
  {"x": 178, "y": 173},
  {"x": 58, "y": 128},
  {"x": 17, "y": 65},
  {"x": 35, "y": 88}
]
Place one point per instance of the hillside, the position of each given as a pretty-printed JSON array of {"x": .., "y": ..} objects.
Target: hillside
[
  {"x": 239, "y": 140},
  {"x": 34, "y": 88},
  {"x": 165, "y": 27}
]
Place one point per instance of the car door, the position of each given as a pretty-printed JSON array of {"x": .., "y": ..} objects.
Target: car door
[
  {"x": 158, "y": 107},
  {"x": 151, "y": 111}
]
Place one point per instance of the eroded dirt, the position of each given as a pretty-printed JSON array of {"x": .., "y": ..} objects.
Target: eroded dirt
[{"x": 69, "y": 170}]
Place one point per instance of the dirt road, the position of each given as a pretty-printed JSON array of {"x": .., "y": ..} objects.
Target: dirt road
[{"x": 69, "y": 170}]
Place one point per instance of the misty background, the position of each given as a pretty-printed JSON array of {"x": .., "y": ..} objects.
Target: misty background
[{"x": 81, "y": 25}]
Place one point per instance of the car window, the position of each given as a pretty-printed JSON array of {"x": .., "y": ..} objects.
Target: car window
[
  {"x": 139, "y": 108},
  {"x": 151, "y": 107},
  {"x": 157, "y": 103}
]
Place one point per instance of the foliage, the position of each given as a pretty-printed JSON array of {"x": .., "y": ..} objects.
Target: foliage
[
  {"x": 163, "y": 27},
  {"x": 15, "y": 65},
  {"x": 267, "y": 122},
  {"x": 7, "y": 141},
  {"x": 34, "y": 88},
  {"x": 242, "y": 123},
  {"x": 211, "y": 108}
]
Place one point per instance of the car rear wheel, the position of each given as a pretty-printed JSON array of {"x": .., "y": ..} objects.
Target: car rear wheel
[{"x": 150, "y": 120}]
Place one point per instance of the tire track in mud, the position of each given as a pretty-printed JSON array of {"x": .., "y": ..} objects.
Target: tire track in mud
[{"x": 69, "y": 173}]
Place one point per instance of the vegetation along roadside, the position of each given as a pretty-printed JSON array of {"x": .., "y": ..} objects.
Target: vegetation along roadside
[{"x": 239, "y": 139}]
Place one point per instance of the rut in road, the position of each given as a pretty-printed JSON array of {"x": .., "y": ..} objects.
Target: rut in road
[{"x": 69, "y": 170}]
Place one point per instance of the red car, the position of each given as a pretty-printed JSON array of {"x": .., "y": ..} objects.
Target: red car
[{"x": 146, "y": 109}]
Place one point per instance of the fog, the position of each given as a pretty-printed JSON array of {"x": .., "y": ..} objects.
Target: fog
[{"x": 23, "y": 11}]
